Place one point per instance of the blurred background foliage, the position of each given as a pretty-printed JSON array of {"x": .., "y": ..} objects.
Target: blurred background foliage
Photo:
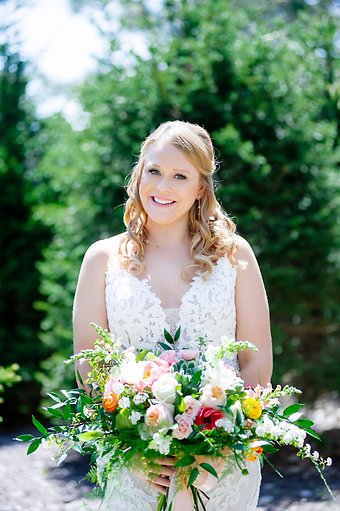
[{"x": 264, "y": 80}]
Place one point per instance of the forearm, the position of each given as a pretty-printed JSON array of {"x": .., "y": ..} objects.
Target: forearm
[{"x": 257, "y": 372}]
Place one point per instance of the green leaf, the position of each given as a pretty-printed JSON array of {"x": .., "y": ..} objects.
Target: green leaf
[
  {"x": 193, "y": 476},
  {"x": 80, "y": 379},
  {"x": 180, "y": 404},
  {"x": 62, "y": 458},
  {"x": 77, "y": 448},
  {"x": 123, "y": 420},
  {"x": 54, "y": 396},
  {"x": 88, "y": 436},
  {"x": 312, "y": 433},
  {"x": 94, "y": 457},
  {"x": 168, "y": 337},
  {"x": 141, "y": 355},
  {"x": 177, "y": 334},
  {"x": 55, "y": 412},
  {"x": 24, "y": 438},
  {"x": 185, "y": 461},
  {"x": 39, "y": 426},
  {"x": 67, "y": 411},
  {"x": 57, "y": 405},
  {"x": 270, "y": 448},
  {"x": 304, "y": 423},
  {"x": 292, "y": 409},
  {"x": 164, "y": 346},
  {"x": 209, "y": 468},
  {"x": 66, "y": 393},
  {"x": 196, "y": 377},
  {"x": 34, "y": 445}
]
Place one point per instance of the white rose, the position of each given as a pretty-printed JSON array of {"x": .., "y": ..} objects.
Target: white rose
[
  {"x": 212, "y": 395},
  {"x": 220, "y": 375},
  {"x": 164, "y": 389},
  {"x": 130, "y": 370}
]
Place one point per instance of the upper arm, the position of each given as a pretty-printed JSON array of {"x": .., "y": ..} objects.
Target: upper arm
[
  {"x": 252, "y": 314},
  {"x": 89, "y": 302}
]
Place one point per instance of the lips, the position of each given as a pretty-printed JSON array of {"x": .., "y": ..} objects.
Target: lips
[{"x": 162, "y": 202}]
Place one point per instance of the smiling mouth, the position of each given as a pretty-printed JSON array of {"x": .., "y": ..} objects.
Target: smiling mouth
[{"x": 162, "y": 202}]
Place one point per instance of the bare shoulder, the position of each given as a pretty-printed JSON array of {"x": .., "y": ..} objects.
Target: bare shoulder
[
  {"x": 244, "y": 255},
  {"x": 99, "y": 253}
]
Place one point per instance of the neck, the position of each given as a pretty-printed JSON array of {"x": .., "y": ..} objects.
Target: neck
[{"x": 168, "y": 236}]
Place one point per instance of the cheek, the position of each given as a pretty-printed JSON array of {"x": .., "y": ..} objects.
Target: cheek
[{"x": 144, "y": 184}]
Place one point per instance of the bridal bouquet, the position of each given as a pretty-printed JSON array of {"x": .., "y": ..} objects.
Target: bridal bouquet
[{"x": 142, "y": 405}]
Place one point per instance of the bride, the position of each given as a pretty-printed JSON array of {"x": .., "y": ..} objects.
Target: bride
[{"x": 179, "y": 262}]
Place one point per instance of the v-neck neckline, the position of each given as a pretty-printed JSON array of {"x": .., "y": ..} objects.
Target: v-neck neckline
[{"x": 147, "y": 284}]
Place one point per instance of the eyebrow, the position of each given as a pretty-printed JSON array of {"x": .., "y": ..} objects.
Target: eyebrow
[{"x": 149, "y": 165}]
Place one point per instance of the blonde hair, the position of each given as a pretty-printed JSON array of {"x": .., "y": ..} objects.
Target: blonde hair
[{"x": 212, "y": 230}]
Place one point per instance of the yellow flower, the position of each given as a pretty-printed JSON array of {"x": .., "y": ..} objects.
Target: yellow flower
[
  {"x": 253, "y": 454},
  {"x": 251, "y": 408}
]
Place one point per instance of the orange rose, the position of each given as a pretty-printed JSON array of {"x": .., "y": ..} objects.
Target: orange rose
[
  {"x": 110, "y": 401},
  {"x": 252, "y": 408},
  {"x": 253, "y": 453}
]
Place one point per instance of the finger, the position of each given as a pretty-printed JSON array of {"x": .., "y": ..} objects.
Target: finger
[
  {"x": 165, "y": 471},
  {"x": 161, "y": 481},
  {"x": 168, "y": 461},
  {"x": 159, "y": 488}
]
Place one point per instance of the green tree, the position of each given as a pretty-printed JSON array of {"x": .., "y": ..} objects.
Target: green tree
[
  {"x": 21, "y": 237},
  {"x": 266, "y": 90}
]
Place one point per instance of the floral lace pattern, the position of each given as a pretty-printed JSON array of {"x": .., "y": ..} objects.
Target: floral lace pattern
[{"x": 135, "y": 314}]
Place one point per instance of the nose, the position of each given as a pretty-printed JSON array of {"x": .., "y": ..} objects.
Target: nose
[{"x": 164, "y": 184}]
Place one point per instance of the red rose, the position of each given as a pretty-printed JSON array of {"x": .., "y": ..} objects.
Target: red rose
[{"x": 208, "y": 417}]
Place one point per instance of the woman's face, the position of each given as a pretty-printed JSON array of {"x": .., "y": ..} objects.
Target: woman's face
[{"x": 169, "y": 184}]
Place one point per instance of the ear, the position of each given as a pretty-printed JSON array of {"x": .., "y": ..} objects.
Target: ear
[{"x": 201, "y": 192}]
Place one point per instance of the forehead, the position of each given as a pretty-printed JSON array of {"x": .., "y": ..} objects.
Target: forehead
[{"x": 167, "y": 156}]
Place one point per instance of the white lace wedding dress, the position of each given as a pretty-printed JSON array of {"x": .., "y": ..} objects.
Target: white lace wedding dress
[{"x": 136, "y": 315}]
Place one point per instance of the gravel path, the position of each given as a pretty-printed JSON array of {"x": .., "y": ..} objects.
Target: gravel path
[{"x": 34, "y": 483}]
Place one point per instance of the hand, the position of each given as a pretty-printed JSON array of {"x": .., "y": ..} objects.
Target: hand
[
  {"x": 206, "y": 481},
  {"x": 156, "y": 473}
]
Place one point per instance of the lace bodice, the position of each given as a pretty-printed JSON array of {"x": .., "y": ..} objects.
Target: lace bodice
[
  {"x": 135, "y": 314},
  {"x": 207, "y": 309}
]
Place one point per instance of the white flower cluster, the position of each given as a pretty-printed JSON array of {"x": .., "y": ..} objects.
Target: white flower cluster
[
  {"x": 124, "y": 402},
  {"x": 286, "y": 433},
  {"x": 226, "y": 424},
  {"x": 139, "y": 398},
  {"x": 315, "y": 456},
  {"x": 161, "y": 443},
  {"x": 135, "y": 416},
  {"x": 118, "y": 387}
]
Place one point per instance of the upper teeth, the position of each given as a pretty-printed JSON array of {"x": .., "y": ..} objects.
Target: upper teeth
[{"x": 161, "y": 201}]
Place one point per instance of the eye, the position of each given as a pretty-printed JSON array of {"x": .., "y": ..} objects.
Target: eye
[
  {"x": 180, "y": 176},
  {"x": 154, "y": 172}
]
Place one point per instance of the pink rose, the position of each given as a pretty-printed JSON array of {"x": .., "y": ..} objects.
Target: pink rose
[
  {"x": 183, "y": 428},
  {"x": 153, "y": 370},
  {"x": 188, "y": 354},
  {"x": 170, "y": 356},
  {"x": 192, "y": 406}
]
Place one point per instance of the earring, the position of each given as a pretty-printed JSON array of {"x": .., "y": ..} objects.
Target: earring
[{"x": 199, "y": 205}]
